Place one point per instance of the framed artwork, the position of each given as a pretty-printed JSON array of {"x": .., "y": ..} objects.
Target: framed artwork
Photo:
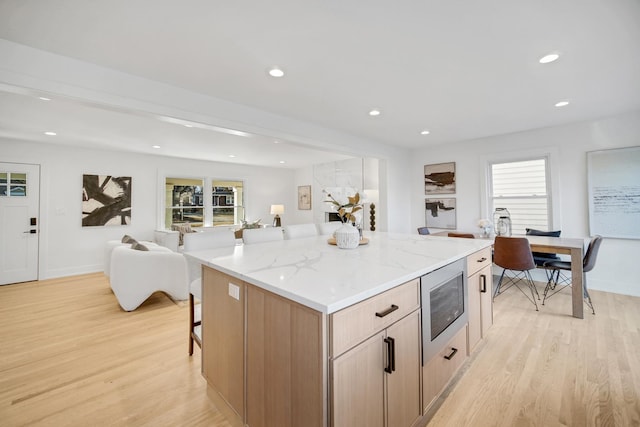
[
  {"x": 440, "y": 213},
  {"x": 440, "y": 178},
  {"x": 106, "y": 200},
  {"x": 304, "y": 197},
  {"x": 613, "y": 178}
]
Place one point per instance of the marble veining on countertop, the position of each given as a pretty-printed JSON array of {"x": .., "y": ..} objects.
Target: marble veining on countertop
[{"x": 326, "y": 278}]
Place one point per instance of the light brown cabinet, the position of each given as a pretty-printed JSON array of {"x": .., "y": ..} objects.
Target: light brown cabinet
[
  {"x": 377, "y": 383},
  {"x": 480, "y": 281},
  {"x": 438, "y": 371}
]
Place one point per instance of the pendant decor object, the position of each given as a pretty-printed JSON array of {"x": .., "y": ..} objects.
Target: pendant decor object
[{"x": 347, "y": 237}]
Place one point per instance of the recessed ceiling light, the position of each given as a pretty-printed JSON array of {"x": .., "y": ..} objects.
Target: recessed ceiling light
[
  {"x": 374, "y": 112},
  {"x": 425, "y": 132},
  {"x": 44, "y": 98},
  {"x": 232, "y": 156},
  {"x": 282, "y": 162},
  {"x": 549, "y": 58},
  {"x": 188, "y": 126},
  {"x": 276, "y": 142},
  {"x": 562, "y": 104},
  {"x": 155, "y": 146},
  {"x": 276, "y": 72},
  {"x": 50, "y": 133}
]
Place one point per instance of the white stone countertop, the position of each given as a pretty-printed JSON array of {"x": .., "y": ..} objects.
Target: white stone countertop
[{"x": 323, "y": 277}]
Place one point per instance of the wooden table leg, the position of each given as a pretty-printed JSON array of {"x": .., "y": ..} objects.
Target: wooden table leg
[{"x": 577, "y": 276}]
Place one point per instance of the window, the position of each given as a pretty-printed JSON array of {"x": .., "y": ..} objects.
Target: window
[
  {"x": 13, "y": 184},
  {"x": 184, "y": 202},
  {"x": 227, "y": 202},
  {"x": 523, "y": 188}
]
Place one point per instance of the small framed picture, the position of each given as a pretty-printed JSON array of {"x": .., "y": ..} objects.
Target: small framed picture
[
  {"x": 440, "y": 213},
  {"x": 440, "y": 178},
  {"x": 304, "y": 197}
]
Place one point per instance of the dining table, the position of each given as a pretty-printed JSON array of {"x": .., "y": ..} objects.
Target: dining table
[{"x": 574, "y": 247}]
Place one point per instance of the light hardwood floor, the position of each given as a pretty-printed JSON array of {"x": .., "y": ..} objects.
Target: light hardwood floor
[
  {"x": 547, "y": 368},
  {"x": 69, "y": 356}
]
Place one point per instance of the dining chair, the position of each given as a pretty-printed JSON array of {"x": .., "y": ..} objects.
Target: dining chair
[
  {"x": 462, "y": 235},
  {"x": 540, "y": 257},
  {"x": 423, "y": 230},
  {"x": 298, "y": 231},
  {"x": 514, "y": 254},
  {"x": 260, "y": 235},
  {"x": 196, "y": 242},
  {"x": 328, "y": 228},
  {"x": 558, "y": 278}
]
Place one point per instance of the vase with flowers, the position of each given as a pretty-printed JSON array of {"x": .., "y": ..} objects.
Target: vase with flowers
[
  {"x": 485, "y": 227},
  {"x": 347, "y": 236}
]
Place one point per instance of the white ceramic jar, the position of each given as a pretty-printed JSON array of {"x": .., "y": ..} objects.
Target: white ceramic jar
[{"x": 347, "y": 236}]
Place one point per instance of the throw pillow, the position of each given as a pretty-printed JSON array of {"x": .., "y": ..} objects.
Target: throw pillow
[
  {"x": 128, "y": 239},
  {"x": 139, "y": 247}
]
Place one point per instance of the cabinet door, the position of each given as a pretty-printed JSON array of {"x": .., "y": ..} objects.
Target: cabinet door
[
  {"x": 480, "y": 305},
  {"x": 475, "y": 315},
  {"x": 403, "y": 383},
  {"x": 357, "y": 379},
  {"x": 223, "y": 337}
]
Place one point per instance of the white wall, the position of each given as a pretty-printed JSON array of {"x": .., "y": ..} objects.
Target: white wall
[
  {"x": 67, "y": 248},
  {"x": 617, "y": 269}
]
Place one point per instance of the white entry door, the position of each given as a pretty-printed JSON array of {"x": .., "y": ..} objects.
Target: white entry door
[{"x": 19, "y": 223}]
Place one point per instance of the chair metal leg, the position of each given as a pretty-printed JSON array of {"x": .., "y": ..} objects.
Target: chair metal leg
[{"x": 497, "y": 291}]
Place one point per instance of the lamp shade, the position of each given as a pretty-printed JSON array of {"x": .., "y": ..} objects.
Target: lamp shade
[
  {"x": 277, "y": 209},
  {"x": 371, "y": 196}
]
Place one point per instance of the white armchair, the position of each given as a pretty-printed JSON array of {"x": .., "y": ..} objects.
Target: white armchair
[
  {"x": 135, "y": 275},
  {"x": 298, "y": 231}
]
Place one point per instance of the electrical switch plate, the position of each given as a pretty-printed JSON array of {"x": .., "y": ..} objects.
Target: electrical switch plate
[{"x": 234, "y": 291}]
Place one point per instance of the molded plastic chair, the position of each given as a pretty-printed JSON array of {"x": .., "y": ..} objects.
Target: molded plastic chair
[
  {"x": 197, "y": 242},
  {"x": 463, "y": 235},
  {"x": 298, "y": 231},
  {"x": 260, "y": 235},
  {"x": 423, "y": 230},
  {"x": 558, "y": 278},
  {"x": 514, "y": 254},
  {"x": 328, "y": 228}
]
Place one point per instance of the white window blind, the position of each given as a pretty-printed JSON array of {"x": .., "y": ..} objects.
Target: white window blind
[{"x": 523, "y": 188}]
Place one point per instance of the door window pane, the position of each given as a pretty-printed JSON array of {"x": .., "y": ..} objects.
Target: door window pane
[{"x": 13, "y": 184}]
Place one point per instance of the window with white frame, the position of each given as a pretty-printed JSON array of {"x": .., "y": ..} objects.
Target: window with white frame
[{"x": 522, "y": 187}]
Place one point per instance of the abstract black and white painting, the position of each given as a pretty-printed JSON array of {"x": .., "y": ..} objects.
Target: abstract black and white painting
[
  {"x": 440, "y": 213},
  {"x": 440, "y": 178},
  {"x": 106, "y": 200}
]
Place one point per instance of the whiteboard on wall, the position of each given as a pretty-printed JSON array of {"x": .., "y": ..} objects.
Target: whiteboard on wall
[{"x": 614, "y": 192}]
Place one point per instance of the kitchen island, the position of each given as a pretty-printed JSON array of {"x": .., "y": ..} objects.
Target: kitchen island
[{"x": 302, "y": 333}]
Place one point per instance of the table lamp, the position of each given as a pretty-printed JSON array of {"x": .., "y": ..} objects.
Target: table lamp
[{"x": 277, "y": 210}]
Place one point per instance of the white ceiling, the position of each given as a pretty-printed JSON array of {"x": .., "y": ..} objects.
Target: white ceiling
[{"x": 461, "y": 69}]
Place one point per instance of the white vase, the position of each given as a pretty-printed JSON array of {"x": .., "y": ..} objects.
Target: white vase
[{"x": 347, "y": 237}]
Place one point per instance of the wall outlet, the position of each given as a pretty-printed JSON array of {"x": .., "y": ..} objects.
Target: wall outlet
[{"x": 234, "y": 291}]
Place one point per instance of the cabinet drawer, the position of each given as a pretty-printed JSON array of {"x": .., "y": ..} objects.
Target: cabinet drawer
[
  {"x": 438, "y": 371},
  {"x": 478, "y": 261},
  {"x": 358, "y": 322}
]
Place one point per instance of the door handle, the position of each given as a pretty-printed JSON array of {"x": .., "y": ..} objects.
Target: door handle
[{"x": 483, "y": 288}]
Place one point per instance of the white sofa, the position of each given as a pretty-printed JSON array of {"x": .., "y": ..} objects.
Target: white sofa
[{"x": 136, "y": 274}]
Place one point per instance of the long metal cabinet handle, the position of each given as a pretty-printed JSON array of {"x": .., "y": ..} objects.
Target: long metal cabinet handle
[
  {"x": 453, "y": 353},
  {"x": 483, "y": 288},
  {"x": 391, "y": 351},
  {"x": 387, "y": 311}
]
